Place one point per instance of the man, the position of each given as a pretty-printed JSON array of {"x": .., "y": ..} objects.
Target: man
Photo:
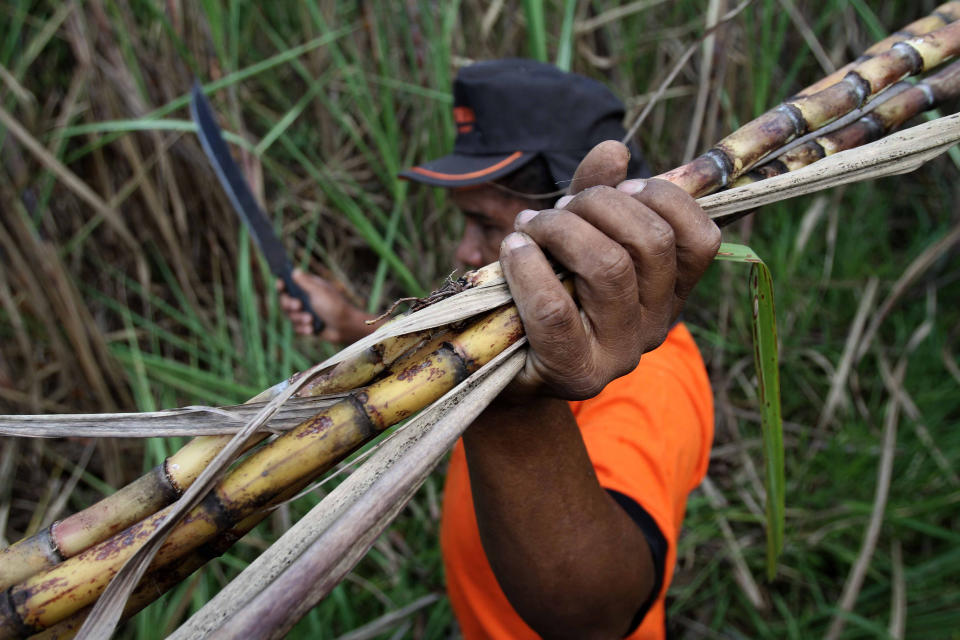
[{"x": 561, "y": 518}]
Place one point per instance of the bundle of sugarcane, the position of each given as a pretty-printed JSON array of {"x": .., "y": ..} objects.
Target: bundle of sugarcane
[{"x": 51, "y": 578}]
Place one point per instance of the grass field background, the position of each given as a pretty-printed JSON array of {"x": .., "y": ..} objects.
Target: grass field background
[{"x": 147, "y": 293}]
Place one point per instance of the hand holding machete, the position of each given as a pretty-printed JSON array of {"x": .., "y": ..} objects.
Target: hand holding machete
[{"x": 232, "y": 181}]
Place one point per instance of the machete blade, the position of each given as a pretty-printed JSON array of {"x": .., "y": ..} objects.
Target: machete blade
[{"x": 242, "y": 199}]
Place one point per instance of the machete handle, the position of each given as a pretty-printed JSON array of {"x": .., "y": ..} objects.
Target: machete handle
[{"x": 296, "y": 291}]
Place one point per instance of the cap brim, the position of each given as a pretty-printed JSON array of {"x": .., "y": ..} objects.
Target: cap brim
[{"x": 459, "y": 170}]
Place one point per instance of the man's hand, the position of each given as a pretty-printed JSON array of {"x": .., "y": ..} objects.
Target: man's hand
[
  {"x": 635, "y": 248},
  {"x": 344, "y": 322}
]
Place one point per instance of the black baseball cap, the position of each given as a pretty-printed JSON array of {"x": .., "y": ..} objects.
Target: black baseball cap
[{"x": 510, "y": 111}]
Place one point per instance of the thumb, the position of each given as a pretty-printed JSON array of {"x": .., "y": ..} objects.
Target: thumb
[{"x": 606, "y": 164}]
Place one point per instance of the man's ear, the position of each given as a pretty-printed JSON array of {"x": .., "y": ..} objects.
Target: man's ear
[{"x": 606, "y": 164}]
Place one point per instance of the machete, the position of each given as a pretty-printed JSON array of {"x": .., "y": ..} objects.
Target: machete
[{"x": 232, "y": 181}]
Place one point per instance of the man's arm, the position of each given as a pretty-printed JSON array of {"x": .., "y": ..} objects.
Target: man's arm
[{"x": 569, "y": 559}]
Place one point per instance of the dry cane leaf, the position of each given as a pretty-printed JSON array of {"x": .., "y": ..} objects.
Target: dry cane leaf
[{"x": 378, "y": 488}]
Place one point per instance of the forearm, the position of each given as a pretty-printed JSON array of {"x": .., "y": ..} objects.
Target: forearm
[{"x": 569, "y": 559}]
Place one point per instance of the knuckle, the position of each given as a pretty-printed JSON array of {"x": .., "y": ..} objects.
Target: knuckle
[
  {"x": 660, "y": 238},
  {"x": 597, "y": 199},
  {"x": 582, "y": 382},
  {"x": 552, "y": 314},
  {"x": 615, "y": 264},
  {"x": 657, "y": 336},
  {"x": 547, "y": 226}
]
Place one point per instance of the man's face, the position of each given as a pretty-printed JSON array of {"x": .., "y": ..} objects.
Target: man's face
[{"x": 489, "y": 214}]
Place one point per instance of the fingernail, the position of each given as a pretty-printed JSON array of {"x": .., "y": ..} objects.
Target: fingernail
[
  {"x": 516, "y": 240},
  {"x": 524, "y": 217},
  {"x": 562, "y": 202},
  {"x": 633, "y": 187}
]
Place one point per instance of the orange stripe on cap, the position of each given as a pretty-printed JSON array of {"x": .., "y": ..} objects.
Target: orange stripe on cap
[{"x": 513, "y": 157}]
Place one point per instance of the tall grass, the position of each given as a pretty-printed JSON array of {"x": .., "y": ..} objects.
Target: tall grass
[{"x": 328, "y": 101}]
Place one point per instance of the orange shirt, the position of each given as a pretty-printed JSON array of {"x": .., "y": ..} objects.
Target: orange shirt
[{"x": 648, "y": 435}]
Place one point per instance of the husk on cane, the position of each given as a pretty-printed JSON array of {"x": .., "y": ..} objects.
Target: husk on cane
[
  {"x": 167, "y": 481},
  {"x": 33, "y": 601},
  {"x": 297, "y": 457}
]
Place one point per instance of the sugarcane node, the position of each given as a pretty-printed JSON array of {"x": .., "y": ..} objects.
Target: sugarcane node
[
  {"x": 222, "y": 516},
  {"x": 11, "y": 624},
  {"x": 796, "y": 117},
  {"x": 909, "y": 52},
  {"x": 722, "y": 162},
  {"x": 168, "y": 485},
  {"x": 861, "y": 88},
  {"x": 929, "y": 94}
]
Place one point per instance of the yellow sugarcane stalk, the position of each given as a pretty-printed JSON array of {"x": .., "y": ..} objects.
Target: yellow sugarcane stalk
[
  {"x": 166, "y": 482},
  {"x": 160, "y": 580},
  {"x": 292, "y": 459}
]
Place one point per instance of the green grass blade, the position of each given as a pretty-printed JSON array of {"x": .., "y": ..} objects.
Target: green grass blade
[
  {"x": 148, "y": 124},
  {"x": 536, "y": 29},
  {"x": 766, "y": 361},
  {"x": 565, "y": 51}
]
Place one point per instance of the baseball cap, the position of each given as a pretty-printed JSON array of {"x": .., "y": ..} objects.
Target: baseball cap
[{"x": 508, "y": 112}]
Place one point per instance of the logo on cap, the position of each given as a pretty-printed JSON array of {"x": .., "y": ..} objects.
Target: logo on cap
[{"x": 464, "y": 117}]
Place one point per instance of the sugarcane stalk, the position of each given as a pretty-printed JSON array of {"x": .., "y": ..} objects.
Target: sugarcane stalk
[
  {"x": 160, "y": 580},
  {"x": 292, "y": 459},
  {"x": 939, "y": 17},
  {"x": 926, "y": 94},
  {"x": 746, "y": 147},
  {"x": 167, "y": 481}
]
